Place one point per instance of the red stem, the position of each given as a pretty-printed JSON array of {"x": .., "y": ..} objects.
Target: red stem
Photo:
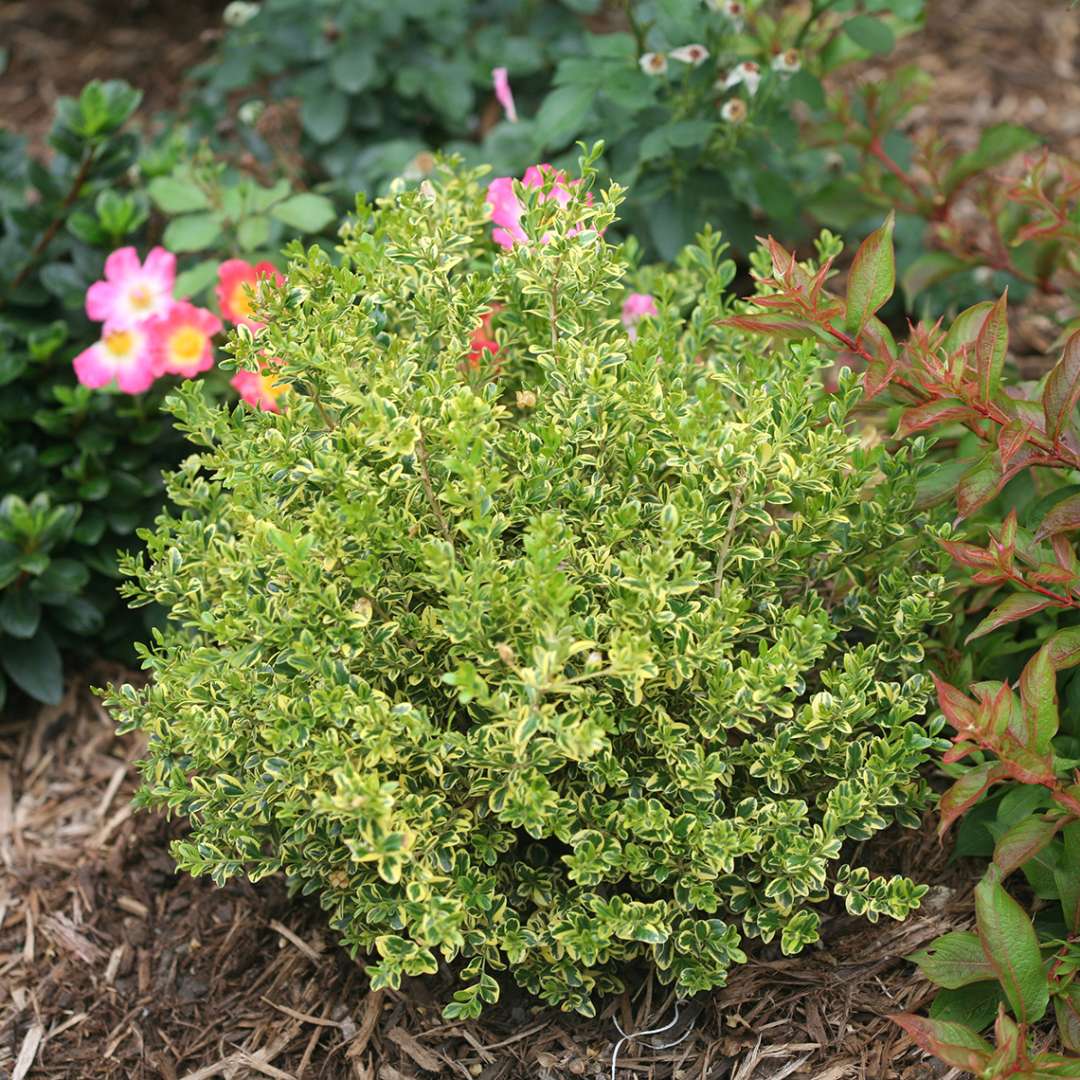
[
  {"x": 882, "y": 155},
  {"x": 985, "y": 409}
]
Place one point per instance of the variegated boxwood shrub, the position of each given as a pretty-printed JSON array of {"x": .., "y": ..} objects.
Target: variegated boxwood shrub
[{"x": 604, "y": 646}]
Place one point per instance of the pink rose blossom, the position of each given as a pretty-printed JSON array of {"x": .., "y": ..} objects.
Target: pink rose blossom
[
  {"x": 635, "y": 307},
  {"x": 504, "y": 94},
  {"x": 237, "y": 279},
  {"x": 506, "y": 210},
  {"x": 132, "y": 291},
  {"x": 259, "y": 389},
  {"x": 122, "y": 354},
  {"x": 180, "y": 340}
]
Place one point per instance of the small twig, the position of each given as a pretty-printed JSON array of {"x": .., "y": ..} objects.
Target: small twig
[
  {"x": 725, "y": 547},
  {"x": 50, "y": 232},
  {"x": 425, "y": 473},
  {"x": 882, "y": 155}
]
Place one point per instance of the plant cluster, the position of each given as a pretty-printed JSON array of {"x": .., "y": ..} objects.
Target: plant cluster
[
  {"x": 704, "y": 102},
  {"x": 81, "y": 469},
  {"x": 527, "y": 642},
  {"x": 1015, "y": 452}
]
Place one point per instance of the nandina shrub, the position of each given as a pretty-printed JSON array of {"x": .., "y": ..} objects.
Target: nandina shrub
[{"x": 594, "y": 646}]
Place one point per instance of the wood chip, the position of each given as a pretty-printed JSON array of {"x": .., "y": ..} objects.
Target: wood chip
[
  {"x": 372, "y": 1008},
  {"x": 307, "y": 1018},
  {"x": 28, "y": 1051},
  {"x": 63, "y": 932},
  {"x": 303, "y": 946},
  {"x": 423, "y": 1057},
  {"x": 133, "y": 906}
]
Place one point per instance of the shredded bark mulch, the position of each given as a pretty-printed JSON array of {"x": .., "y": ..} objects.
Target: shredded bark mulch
[{"x": 113, "y": 966}]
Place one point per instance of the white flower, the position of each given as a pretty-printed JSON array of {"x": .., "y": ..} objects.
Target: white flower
[
  {"x": 734, "y": 111},
  {"x": 748, "y": 73},
  {"x": 239, "y": 12},
  {"x": 787, "y": 62},
  {"x": 690, "y": 54},
  {"x": 250, "y": 111},
  {"x": 733, "y": 9},
  {"x": 653, "y": 63}
]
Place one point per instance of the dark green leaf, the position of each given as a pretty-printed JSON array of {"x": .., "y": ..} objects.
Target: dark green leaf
[
  {"x": 870, "y": 33},
  {"x": 34, "y": 666}
]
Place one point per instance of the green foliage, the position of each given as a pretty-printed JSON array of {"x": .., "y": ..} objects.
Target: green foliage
[
  {"x": 1017, "y": 446},
  {"x": 742, "y": 133},
  {"x": 81, "y": 468},
  {"x": 596, "y": 650}
]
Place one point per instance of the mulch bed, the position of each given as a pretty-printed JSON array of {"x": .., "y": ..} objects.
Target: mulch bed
[{"x": 112, "y": 965}]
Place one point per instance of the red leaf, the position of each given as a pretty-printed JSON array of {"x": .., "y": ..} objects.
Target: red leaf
[
  {"x": 1039, "y": 702},
  {"x": 1061, "y": 517},
  {"x": 1063, "y": 648},
  {"x": 1025, "y": 765},
  {"x": 958, "y": 708},
  {"x": 1024, "y": 841},
  {"x": 955, "y": 1044},
  {"x": 965, "y": 328},
  {"x": 1011, "y": 437},
  {"x": 967, "y": 791},
  {"x": 968, "y": 554},
  {"x": 872, "y": 277},
  {"x": 1015, "y": 606},
  {"x": 979, "y": 485},
  {"x": 991, "y": 344},
  {"x": 878, "y": 375},
  {"x": 1062, "y": 390},
  {"x": 767, "y": 324},
  {"x": 931, "y": 413}
]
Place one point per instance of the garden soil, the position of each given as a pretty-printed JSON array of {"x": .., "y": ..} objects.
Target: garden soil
[{"x": 114, "y": 966}]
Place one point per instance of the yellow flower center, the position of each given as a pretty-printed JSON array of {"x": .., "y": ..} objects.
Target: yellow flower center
[
  {"x": 119, "y": 342},
  {"x": 240, "y": 301},
  {"x": 271, "y": 387},
  {"x": 187, "y": 344},
  {"x": 141, "y": 298}
]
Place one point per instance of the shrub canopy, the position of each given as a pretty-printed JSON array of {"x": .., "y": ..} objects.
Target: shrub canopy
[{"x": 591, "y": 650}]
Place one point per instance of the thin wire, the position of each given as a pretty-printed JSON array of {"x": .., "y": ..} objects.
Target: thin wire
[{"x": 652, "y": 1031}]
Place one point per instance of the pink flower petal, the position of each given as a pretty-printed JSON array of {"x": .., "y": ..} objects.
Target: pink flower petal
[
  {"x": 92, "y": 367},
  {"x": 101, "y": 300},
  {"x": 122, "y": 263},
  {"x": 504, "y": 94}
]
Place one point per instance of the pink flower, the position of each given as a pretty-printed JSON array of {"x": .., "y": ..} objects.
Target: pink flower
[
  {"x": 259, "y": 389},
  {"x": 180, "y": 339},
  {"x": 635, "y": 307},
  {"x": 132, "y": 291},
  {"x": 121, "y": 354},
  {"x": 506, "y": 210},
  {"x": 504, "y": 94},
  {"x": 237, "y": 280}
]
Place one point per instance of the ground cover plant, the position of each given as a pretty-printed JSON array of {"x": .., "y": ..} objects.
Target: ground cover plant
[
  {"x": 714, "y": 110},
  {"x": 1013, "y": 452},
  {"x": 92, "y": 332},
  {"x": 549, "y": 626}
]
